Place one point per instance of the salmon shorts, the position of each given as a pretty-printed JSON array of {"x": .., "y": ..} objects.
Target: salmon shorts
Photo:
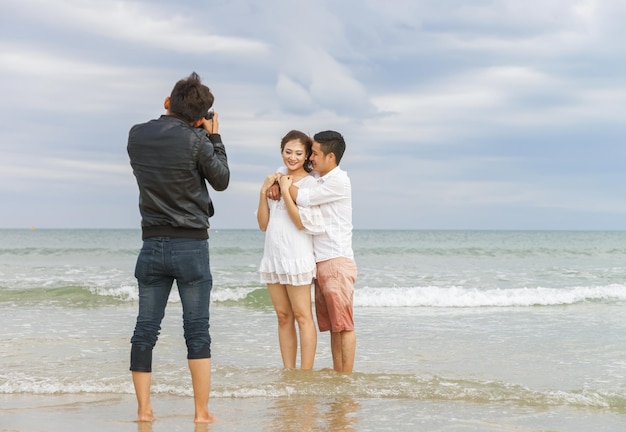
[{"x": 334, "y": 294}]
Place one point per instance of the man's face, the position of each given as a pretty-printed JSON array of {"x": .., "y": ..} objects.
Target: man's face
[{"x": 321, "y": 163}]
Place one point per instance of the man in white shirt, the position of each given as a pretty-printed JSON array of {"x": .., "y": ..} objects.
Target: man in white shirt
[{"x": 336, "y": 268}]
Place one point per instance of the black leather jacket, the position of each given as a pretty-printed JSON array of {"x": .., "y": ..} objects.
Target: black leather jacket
[{"x": 171, "y": 161}]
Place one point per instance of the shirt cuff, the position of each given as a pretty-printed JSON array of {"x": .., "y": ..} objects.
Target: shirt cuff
[{"x": 312, "y": 219}]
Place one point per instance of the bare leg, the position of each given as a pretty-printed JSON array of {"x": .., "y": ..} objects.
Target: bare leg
[
  {"x": 343, "y": 348},
  {"x": 141, "y": 381},
  {"x": 300, "y": 299},
  {"x": 287, "y": 338},
  {"x": 201, "y": 380}
]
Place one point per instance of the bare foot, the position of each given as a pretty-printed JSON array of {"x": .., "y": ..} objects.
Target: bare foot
[
  {"x": 145, "y": 417},
  {"x": 206, "y": 418}
]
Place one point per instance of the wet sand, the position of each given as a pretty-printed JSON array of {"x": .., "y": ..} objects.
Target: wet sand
[{"x": 109, "y": 412}]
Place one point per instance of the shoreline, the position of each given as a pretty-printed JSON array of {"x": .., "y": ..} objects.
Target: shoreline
[{"x": 115, "y": 413}]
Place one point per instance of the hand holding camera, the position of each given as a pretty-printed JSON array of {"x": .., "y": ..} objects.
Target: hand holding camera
[{"x": 210, "y": 122}]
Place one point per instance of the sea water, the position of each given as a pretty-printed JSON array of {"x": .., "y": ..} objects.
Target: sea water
[{"x": 523, "y": 326}]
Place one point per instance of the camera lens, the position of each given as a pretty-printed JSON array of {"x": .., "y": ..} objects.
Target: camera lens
[{"x": 209, "y": 115}]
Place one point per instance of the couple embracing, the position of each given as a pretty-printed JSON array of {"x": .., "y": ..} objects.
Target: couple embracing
[{"x": 305, "y": 210}]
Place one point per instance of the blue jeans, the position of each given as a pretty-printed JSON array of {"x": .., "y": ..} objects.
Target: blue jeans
[{"x": 161, "y": 261}]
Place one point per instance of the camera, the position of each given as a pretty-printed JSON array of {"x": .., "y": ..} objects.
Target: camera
[{"x": 209, "y": 115}]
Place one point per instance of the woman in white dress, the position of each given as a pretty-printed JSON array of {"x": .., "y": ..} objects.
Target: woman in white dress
[{"x": 288, "y": 264}]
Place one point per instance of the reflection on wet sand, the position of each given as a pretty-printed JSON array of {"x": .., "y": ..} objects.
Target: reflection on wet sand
[
  {"x": 341, "y": 415},
  {"x": 291, "y": 414},
  {"x": 147, "y": 427},
  {"x": 308, "y": 414}
]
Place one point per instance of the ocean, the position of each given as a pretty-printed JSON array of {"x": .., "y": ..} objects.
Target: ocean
[{"x": 456, "y": 331}]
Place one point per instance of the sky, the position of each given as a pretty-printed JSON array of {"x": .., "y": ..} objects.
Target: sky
[{"x": 457, "y": 114}]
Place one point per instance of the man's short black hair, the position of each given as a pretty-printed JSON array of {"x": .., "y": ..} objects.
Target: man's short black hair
[
  {"x": 331, "y": 142},
  {"x": 190, "y": 99}
]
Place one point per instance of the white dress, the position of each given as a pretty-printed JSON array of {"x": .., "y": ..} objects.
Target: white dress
[{"x": 288, "y": 254}]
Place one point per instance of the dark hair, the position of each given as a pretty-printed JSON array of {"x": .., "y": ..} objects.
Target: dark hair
[
  {"x": 190, "y": 99},
  {"x": 305, "y": 140},
  {"x": 331, "y": 142}
]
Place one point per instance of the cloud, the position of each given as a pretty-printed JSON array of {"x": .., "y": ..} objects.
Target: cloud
[
  {"x": 17, "y": 173},
  {"x": 293, "y": 96},
  {"x": 141, "y": 23},
  {"x": 457, "y": 114},
  {"x": 332, "y": 87},
  {"x": 63, "y": 84}
]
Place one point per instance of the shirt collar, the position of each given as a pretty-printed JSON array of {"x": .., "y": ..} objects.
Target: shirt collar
[{"x": 329, "y": 174}]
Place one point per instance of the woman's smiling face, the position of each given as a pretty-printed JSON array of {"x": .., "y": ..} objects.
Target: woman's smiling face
[{"x": 294, "y": 155}]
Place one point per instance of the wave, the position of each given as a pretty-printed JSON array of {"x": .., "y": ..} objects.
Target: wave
[
  {"x": 70, "y": 295},
  {"x": 85, "y": 296},
  {"x": 366, "y": 297},
  {"x": 275, "y": 383},
  {"x": 459, "y": 297}
]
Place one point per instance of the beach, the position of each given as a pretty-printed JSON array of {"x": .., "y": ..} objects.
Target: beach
[
  {"x": 111, "y": 413},
  {"x": 456, "y": 331}
]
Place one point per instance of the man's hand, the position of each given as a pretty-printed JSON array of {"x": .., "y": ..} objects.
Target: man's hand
[
  {"x": 211, "y": 126},
  {"x": 273, "y": 192},
  {"x": 270, "y": 186}
]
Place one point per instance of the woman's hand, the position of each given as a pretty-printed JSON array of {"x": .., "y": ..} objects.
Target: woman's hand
[
  {"x": 285, "y": 183},
  {"x": 269, "y": 181}
]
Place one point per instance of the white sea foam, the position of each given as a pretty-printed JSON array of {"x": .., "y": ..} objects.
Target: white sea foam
[
  {"x": 124, "y": 292},
  {"x": 23, "y": 383},
  {"x": 371, "y": 386},
  {"x": 429, "y": 296},
  {"x": 130, "y": 292},
  {"x": 231, "y": 294},
  {"x": 433, "y": 296}
]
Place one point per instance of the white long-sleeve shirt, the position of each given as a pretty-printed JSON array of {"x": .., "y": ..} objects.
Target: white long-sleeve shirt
[{"x": 333, "y": 195}]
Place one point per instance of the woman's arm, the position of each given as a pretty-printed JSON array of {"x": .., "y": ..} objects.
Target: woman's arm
[
  {"x": 285, "y": 183},
  {"x": 263, "y": 212}
]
